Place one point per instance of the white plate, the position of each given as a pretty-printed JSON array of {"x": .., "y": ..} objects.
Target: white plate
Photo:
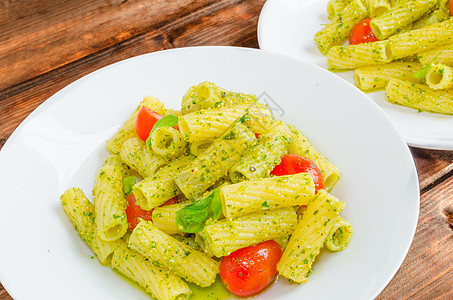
[
  {"x": 61, "y": 145},
  {"x": 288, "y": 27}
]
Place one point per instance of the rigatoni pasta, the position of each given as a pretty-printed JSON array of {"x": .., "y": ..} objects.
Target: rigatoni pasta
[
  {"x": 260, "y": 159},
  {"x": 210, "y": 176},
  {"x": 355, "y": 56},
  {"x": 167, "y": 142},
  {"x": 440, "y": 77},
  {"x": 223, "y": 237},
  {"x": 387, "y": 46},
  {"x": 82, "y": 215},
  {"x": 159, "y": 282},
  {"x": 402, "y": 14},
  {"x": 419, "y": 96},
  {"x": 335, "y": 33},
  {"x": 209, "y": 124},
  {"x": 441, "y": 55},
  {"x": 423, "y": 39},
  {"x": 213, "y": 163},
  {"x": 110, "y": 204},
  {"x": 165, "y": 251},
  {"x": 309, "y": 237},
  {"x": 155, "y": 190},
  {"x": 208, "y": 95},
  {"x": 377, "y": 77},
  {"x": 377, "y": 7},
  {"x": 302, "y": 146},
  {"x": 266, "y": 194},
  {"x": 139, "y": 157}
]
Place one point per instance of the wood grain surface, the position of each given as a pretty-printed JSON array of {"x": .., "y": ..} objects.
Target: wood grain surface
[{"x": 45, "y": 45}]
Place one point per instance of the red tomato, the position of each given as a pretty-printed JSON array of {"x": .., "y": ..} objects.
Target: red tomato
[
  {"x": 145, "y": 121},
  {"x": 257, "y": 135},
  {"x": 293, "y": 164},
  {"x": 134, "y": 212},
  {"x": 362, "y": 33},
  {"x": 451, "y": 7},
  {"x": 249, "y": 270}
]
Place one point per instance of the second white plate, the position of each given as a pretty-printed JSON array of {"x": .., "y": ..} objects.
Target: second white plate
[{"x": 288, "y": 27}]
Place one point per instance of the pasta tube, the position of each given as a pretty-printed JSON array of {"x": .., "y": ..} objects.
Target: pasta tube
[
  {"x": 440, "y": 77},
  {"x": 355, "y": 56},
  {"x": 127, "y": 130},
  {"x": 110, "y": 205},
  {"x": 401, "y": 15},
  {"x": 116, "y": 161},
  {"x": 423, "y": 39},
  {"x": 338, "y": 30},
  {"x": 419, "y": 96},
  {"x": 261, "y": 159},
  {"x": 434, "y": 17},
  {"x": 159, "y": 282},
  {"x": 340, "y": 235},
  {"x": 208, "y": 95},
  {"x": 442, "y": 55},
  {"x": 154, "y": 190},
  {"x": 208, "y": 124},
  {"x": 139, "y": 157},
  {"x": 377, "y": 7},
  {"x": 301, "y": 146},
  {"x": 167, "y": 142},
  {"x": 263, "y": 194},
  {"x": 215, "y": 161},
  {"x": 223, "y": 237},
  {"x": 196, "y": 148},
  {"x": 335, "y": 7},
  {"x": 377, "y": 77},
  {"x": 165, "y": 251},
  {"x": 82, "y": 215},
  {"x": 309, "y": 236}
]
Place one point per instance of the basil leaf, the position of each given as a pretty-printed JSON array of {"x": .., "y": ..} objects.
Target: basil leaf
[
  {"x": 193, "y": 217},
  {"x": 168, "y": 120},
  {"x": 191, "y": 221},
  {"x": 245, "y": 118},
  {"x": 216, "y": 204},
  {"x": 423, "y": 72},
  {"x": 128, "y": 183}
]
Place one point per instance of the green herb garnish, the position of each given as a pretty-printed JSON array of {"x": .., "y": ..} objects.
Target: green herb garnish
[
  {"x": 193, "y": 217},
  {"x": 245, "y": 118},
  {"x": 422, "y": 73},
  {"x": 128, "y": 183}
]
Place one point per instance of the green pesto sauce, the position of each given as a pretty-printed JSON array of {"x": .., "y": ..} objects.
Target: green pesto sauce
[{"x": 215, "y": 292}]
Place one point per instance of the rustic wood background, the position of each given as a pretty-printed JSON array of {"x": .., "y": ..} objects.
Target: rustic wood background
[{"x": 45, "y": 45}]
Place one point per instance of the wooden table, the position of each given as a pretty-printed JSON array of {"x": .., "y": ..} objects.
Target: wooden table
[{"x": 45, "y": 45}]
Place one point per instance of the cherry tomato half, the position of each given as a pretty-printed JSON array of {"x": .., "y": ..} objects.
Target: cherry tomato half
[
  {"x": 249, "y": 270},
  {"x": 145, "y": 121},
  {"x": 362, "y": 33},
  {"x": 134, "y": 212},
  {"x": 293, "y": 164}
]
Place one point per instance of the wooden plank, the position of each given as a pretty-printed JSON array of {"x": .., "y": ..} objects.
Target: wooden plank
[
  {"x": 50, "y": 35},
  {"x": 432, "y": 165},
  {"x": 427, "y": 271},
  {"x": 4, "y": 294}
]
